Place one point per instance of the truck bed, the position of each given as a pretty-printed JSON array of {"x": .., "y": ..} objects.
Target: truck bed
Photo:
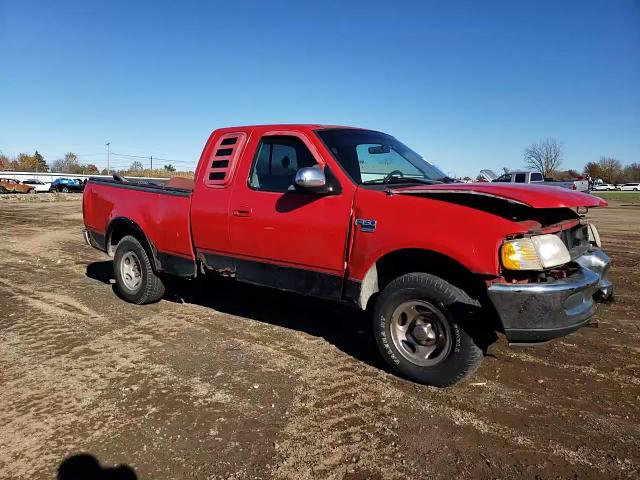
[{"x": 160, "y": 211}]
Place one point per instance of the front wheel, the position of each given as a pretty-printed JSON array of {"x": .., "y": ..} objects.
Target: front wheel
[
  {"x": 65, "y": 190},
  {"x": 421, "y": 324},
  {"x": 135, "y": 279}
]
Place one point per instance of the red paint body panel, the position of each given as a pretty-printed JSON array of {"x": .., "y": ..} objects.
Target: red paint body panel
[
  {"x": 163, "y": 218},
  {"x": 318, "y": 225},
  {"x": 536, "y": 196},
  {"x": 210, "y": 203},
  {"x": 315, "y": 232},
  {"x": 471, "y": 237}
]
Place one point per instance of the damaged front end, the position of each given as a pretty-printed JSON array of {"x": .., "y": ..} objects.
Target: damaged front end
[
  {"x": 552, "y": 271},
  {"x": 536, "y": 307}
]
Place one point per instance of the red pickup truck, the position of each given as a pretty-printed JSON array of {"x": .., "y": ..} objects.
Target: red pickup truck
[{"x": 355, "y": 216}]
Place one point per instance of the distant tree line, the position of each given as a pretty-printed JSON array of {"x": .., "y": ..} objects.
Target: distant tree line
[
  {"x": 23, "y": 162},
  {"x": 611, "y": 170},
  {"x": 546, "y": 156}
]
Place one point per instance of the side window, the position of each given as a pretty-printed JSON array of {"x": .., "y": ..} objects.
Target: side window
[
  {"x": 377, "y": 161},
  {"x": 521, "y": 178},
  {"x": 505, "y": 178},
  {"x": 277, "y": 161},
  {"x": 536, "y": 177}
]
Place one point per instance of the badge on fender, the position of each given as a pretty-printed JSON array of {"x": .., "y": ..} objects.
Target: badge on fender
[{"x": 368, "y": 226}]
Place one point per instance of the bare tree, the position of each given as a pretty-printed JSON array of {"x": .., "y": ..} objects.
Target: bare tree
[
  {"x": 136, "y": 166},
  {"x": 611, "y": 169},
  {"x": 68, "y": 164},
  {"x": 631, "y": 173},
  {"x": 544, "y": 156}
]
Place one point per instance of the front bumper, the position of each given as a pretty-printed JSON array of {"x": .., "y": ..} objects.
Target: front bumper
[{"x": 538, "y": 312}]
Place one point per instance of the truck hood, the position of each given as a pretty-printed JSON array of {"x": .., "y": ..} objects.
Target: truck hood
[{"x": 534, "y": 196}]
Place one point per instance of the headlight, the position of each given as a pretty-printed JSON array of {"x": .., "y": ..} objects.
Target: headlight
[{"x": 534, "y": 253}]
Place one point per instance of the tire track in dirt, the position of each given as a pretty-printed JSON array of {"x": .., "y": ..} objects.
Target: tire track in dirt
[
  {"x": 589, "y": 371},
  {"x": 59, "y": 363},
  {"x": 583, "y": 456},
  {"x": 336, "y": 415},
  {"x": 338, "y": 423}
]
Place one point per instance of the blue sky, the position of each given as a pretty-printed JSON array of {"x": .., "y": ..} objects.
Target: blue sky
[{"x": 467, "y": 84}]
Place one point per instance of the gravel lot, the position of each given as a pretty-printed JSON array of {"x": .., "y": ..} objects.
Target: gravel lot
[{"x": 224, "y": 380}]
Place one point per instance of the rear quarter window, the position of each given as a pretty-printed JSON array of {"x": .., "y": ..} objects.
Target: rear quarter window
[{"x": 521, "y": 178}]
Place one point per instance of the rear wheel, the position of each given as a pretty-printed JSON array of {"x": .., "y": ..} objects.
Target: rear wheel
[
  {"x": 421, "y": 324},
  {"x": 135, "y": 279},
  {"x": 3, "y": 190},
  {"x": 65, "y": 190}
]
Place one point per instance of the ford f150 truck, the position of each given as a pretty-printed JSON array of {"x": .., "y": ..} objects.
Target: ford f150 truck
[{"x": 355, "y": 216}]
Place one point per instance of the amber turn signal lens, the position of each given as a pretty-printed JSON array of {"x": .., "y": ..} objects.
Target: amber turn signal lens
[{"x": 520, "y": 255}]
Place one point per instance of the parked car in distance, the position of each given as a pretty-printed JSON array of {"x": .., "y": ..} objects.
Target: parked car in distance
[
  {"x": 603, "y": 187},
  {"x": 39, "y": 185},
  {"x": 67, "y": 185},
  {"x": 9, "y": 185},
  {"x": 523, "y": 176},
  {"x": 355, "y": 216},
  {"x": 630, "y": 187}
]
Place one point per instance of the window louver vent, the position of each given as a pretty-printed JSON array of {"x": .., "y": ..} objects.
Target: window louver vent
[{"x": 224, "y": 158}]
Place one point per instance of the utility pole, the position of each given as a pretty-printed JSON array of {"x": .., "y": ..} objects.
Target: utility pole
[
  {"x": 151, "y": 157},
  {"x": 108, "y": 156}
]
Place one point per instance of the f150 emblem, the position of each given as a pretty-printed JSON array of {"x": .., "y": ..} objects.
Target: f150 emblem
[{"x": 368, "y": 226}]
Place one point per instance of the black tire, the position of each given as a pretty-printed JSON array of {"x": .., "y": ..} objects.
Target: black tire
[
  {"x": 455, "y": 307},
  {"x": 3, "y": 190},
  {"x": 65, "y": 190},
  {"x": 151, "y": 288}
]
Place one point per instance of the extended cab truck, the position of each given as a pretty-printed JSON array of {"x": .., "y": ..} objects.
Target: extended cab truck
[
  {"x": 581, "y": 185},
  {"x": 355, "y": 216}
]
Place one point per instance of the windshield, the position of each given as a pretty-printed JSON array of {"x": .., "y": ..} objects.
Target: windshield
[{"x": 374, "y": 157}]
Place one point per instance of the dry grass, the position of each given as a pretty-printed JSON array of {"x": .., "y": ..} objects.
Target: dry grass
[{"x": 156, "y": 172}]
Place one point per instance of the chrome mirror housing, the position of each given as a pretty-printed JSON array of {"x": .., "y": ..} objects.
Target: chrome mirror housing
[{"x": 310, "y": 178}]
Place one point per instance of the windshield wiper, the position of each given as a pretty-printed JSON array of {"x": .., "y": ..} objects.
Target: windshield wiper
[{"x": 383, "y": 181}]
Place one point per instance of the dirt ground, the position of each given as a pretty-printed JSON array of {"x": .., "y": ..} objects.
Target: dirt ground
[{"x": 224, "y": 380}]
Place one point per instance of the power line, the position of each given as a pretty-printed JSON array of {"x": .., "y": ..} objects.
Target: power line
[{"x": 149, "y": 156}]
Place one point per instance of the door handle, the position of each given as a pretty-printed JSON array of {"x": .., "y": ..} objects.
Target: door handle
[{"x": 242, "y": 212}]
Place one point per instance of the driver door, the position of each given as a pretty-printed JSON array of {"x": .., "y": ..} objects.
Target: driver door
[{"x": 285, "y": 238}]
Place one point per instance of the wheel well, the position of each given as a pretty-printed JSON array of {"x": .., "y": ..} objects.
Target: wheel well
[
  {"x": 120, "y": 228},
  {"x": 400, "y": 262}
]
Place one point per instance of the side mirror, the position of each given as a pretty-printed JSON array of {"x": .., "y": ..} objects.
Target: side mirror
[{"x": 310, "y": 179}]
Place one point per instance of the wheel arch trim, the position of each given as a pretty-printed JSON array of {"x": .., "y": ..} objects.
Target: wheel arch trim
[
  {"x": 371, "y": 282},
  {"x": 123, "y": 222},
  {"x": 160, "y": 261}
]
